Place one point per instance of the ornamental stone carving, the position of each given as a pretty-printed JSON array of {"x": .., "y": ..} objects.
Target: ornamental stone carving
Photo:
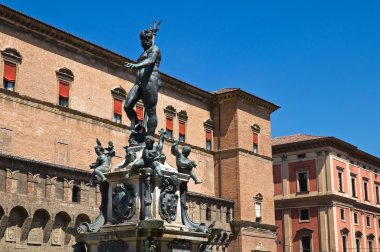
[
  {"x": 123, "y": 203},
  {"x": 169, "y": 199}
]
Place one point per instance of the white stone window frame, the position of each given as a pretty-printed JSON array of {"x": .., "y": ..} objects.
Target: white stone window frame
[
  {"x": 357, "y": 218},
  {"x": 118, "y": 93},
  {"x": 340, "y": 171},
  {"x": 368, "y": 219},
  {"x": 303, "y": 170},
  {"x": 353, "y": 176},
  {"x": 258, "y": 203},
  {"x": 343, "y": 217},
  {"x": 304, "y": 221}
]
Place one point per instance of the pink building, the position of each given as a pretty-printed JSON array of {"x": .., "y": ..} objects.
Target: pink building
[{"x": 326, "y": 194}]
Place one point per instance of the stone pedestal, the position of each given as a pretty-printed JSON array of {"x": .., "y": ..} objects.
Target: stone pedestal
[{"x": 144, "y": 214}]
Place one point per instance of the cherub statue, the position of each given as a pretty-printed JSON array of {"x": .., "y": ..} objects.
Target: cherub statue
[
  {"x": 102, "y": 163},
  {"x": 184, "y": 165},
  {"x": 152, "y": 154}
]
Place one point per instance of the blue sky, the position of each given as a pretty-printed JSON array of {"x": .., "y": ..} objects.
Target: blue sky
[{"x": 318, "y": 60}]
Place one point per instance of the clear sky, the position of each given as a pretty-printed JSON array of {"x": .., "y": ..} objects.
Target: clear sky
[{"x": 318, "y": 59}]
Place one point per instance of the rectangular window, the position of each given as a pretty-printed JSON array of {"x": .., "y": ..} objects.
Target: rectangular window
[
  {"x": 255, "y": 141},
  {"x": 368, "y": 221},
  {"x": 357, "y": 242},
  {"x": 182, "y": 131},
  {"x": 117, "y": 110},
  {"x": 302, "y": 178},
  {"x": 365, "y": 190},
  {"x": 258, "y": 211},
  {"x": 340, "y": 180},
  {"x": 344, "y": 243},
  {"x": 304, "y": 215},
  {"x": 377, "y": 194},
  {"x": 169, "y": 128},
  {"x": 140, "y": 113},
  {"x": 306, "y": 244},
  {"x": 370, "y": 246},
  {"x": 353, "y": 186},
  {"x": 64, "y": 93},
  {"x": 342, "y": 214},
  {"x": 378, "y": 223},
  {"x": 208, "y": 140},
  {"x": 356, "y": 218},
  {"x": 9, "y": 76}
]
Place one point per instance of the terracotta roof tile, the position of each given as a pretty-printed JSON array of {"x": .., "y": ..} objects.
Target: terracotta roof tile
[{"x": 293, "y": 139}]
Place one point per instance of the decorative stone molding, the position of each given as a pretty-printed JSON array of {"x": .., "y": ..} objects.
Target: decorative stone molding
[
  {"x": 256, "y": 128},
  {"x": 11, "y": 174},
  {"x": 182, "y": 115},
  {"x": 119, "y": 93},
  {"x": 170, "y": 111},
  {"x": 209, "y": 124},
  {"x": 181, "y": 245},
  {"x": 65, "y": 74},
  {"x": 12, "y": 55},
  {"x": 51, "y": 180},
  {"x": 260, "y": 248},
  {"x": 68, "y": 183},
  {"x": 83, "y": 186},
  {"x": 34, "y": 178}
]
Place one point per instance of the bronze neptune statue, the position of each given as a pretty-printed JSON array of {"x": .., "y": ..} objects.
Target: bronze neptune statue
[{"x": 147, "y": 80}]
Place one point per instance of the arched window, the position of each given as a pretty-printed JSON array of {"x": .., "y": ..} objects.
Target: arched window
[
  {"x": 75, "y": 197},
  {"x": 11, "y": 58},
  {"x": 208, "y": 213},
  {"x": 65, "y": 78}
]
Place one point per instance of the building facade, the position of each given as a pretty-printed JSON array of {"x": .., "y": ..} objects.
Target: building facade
[
  {"x": 326, "y": 195},
  {"x": 60, "y": 93}
]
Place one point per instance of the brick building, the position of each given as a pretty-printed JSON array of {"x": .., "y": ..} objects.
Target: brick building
[
  {"x": 60, "y": 93},
  {"x": 326, "y": 195}
]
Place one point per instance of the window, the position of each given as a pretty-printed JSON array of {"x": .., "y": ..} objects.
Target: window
[
  {"x": 11, "y": 59},
  {"x": 340, "y": 180},
  {"x": 9, "y": 78},
  {"x": 377, "y": 194},
  {"x": 117, "y": 110},
  {"x": 370, "y": 246},
  {"x": 342, "y": 214},
  {"x": 258, "y": 211},
  {"x": 75, "y": 197},
  {"x": 368, "y": 221},
  {"x": 378, "y": 223},
  {"x": 182, "y": 131},
  {"x": 169, "y": 128},
  {"x": 208, "y": 140},
  {"x": 366, "y": 190},
  {"x": 357, "y": 242},
  {"x": 228, "y": 216},
  {"x": 353, "y": 186},
  {"x": 64, "y": 93},
  {"x": 304, "y": 215},
  {"x": 344, "y": 243},
  {"x": 302, "y": 178},
  {"x": 140, "y": 112},
  {"x": 208, "y": 213},
  {"x": 356, "y": 218},
  {"x": 306, "y": 244},
  {"x": 255, "y": 143}
]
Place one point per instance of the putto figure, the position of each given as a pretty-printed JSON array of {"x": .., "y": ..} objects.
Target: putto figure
[
  {"x": 102, "y": 163},
  {"x": 184, "y": 165},
  {"x": 152, "y": 155},
  {"x": 147, "y": 80}
]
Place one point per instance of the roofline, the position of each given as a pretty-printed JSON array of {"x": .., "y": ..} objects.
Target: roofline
[
  {"x": 250, "y": 97},
  {"x": 22, "y": 20},
  {"x": 330, "y": 141}
]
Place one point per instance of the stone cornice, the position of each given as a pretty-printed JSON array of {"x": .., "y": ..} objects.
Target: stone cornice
[
  {"x": 240, "y": 94},
  {"x": 237, "y": 225},
  {"x": 350, "y": 149},
  {"x": 327, "y": 199},
  {"x": 209, "y": 199},
  {"x": 237, "y": 150},
  {"x": 27, "y": 165}
]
